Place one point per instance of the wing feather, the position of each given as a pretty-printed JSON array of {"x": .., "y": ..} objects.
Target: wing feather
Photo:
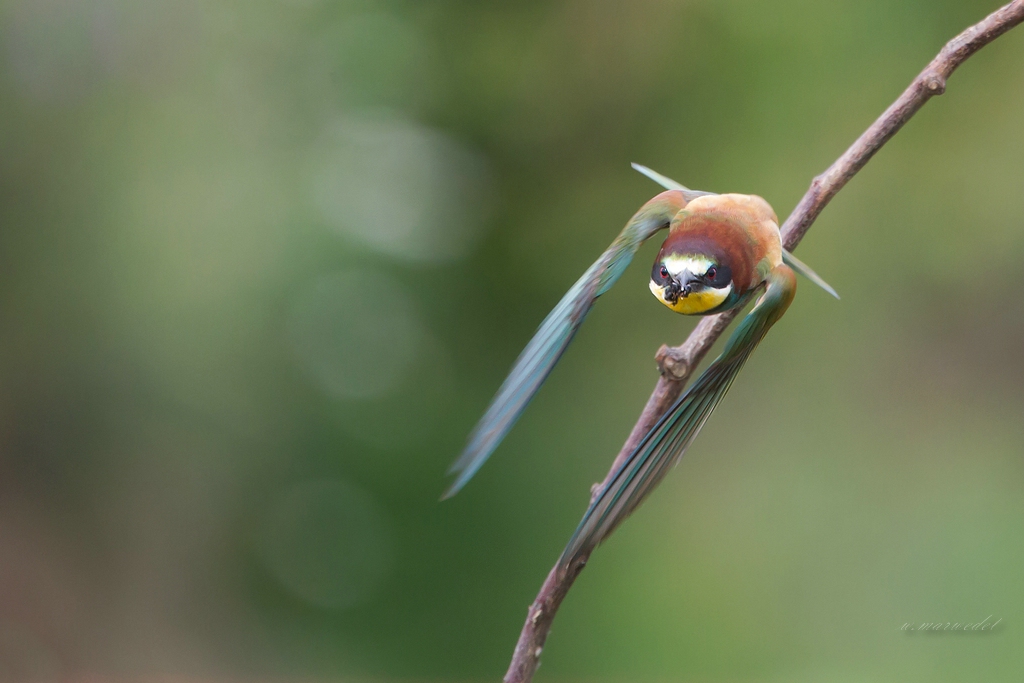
[
  {"x": 556, "y": 331},
  {"x": 666, "y": 442}
]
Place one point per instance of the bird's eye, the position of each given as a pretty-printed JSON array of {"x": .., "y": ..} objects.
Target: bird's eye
[
  {"x": 718, "y": 275},
  {"x": 663, "y": 272}
]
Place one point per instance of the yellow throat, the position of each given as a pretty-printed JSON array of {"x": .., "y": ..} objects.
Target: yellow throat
[{"x": 698, "y": 302}]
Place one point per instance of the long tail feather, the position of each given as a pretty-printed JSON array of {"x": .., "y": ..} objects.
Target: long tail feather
[
  {"x": 805, "y": 270},
  {"x": 668, "y": 183}
]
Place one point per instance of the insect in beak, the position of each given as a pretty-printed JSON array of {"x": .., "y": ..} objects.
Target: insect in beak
[
  {"x": 673, "y": 290},
  {"x": 681, "y": 286}
]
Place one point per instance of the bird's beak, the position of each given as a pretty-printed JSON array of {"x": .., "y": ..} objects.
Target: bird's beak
[
  {"x": 681, "y": 286},
  {"x": 687, "y": 283}
]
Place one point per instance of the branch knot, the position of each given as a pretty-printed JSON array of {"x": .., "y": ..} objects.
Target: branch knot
[
  {"x": 673, "y": 363},
  {"x": 934, "y": 83}
]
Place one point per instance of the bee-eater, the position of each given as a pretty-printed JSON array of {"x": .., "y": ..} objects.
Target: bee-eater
[{"x": 721, "y": 252}]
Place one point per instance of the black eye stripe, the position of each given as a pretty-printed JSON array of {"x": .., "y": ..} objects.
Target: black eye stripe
[{"x": 718, "y": 276}]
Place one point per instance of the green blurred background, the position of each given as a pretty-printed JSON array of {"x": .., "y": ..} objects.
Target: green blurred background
[{"x": 264, "y": 262}]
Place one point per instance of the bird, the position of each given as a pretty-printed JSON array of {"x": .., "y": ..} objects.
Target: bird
[{"x": 721, "y": 252}]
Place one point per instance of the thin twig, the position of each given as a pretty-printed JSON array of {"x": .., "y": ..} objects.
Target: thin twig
[{"x": 678, "y": 363}]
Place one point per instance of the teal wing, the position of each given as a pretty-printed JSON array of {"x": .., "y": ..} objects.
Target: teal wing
[
  {"x": 556, "y": 331},
  {"x": 665, "y": 444}
]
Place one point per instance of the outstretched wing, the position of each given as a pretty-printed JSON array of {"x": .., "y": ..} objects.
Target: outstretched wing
[
  {"x": 554, "y": 334},
  {"x": 662, "y": 447}
]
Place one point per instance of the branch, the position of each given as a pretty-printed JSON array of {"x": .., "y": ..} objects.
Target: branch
[{"x": 678, "y": 363}]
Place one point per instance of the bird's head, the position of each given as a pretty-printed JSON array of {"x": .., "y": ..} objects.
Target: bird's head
[
  {"x": 710, "y": 259},
  {"x": 691, "y": 283}
]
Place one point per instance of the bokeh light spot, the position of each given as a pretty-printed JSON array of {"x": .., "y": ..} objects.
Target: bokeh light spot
[
  {"x": 355, "y": 334},
  {"x": 400, "y": 188},
  {"x": 327, "y": 543}
]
